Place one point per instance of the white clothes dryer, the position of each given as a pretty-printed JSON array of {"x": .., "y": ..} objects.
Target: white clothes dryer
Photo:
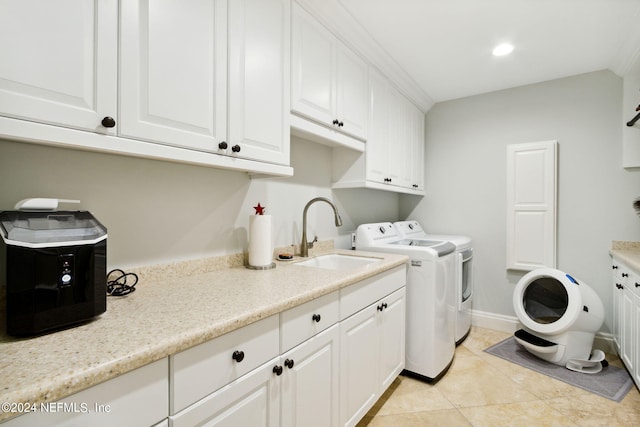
[
  {"x": 463, "y": 272},
  {"x": 430, "y": 341}
]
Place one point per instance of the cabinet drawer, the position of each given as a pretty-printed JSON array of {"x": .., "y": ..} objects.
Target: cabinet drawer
[
  {"x": 306, "y": 320},
  {"x": 203, "y": 369},
  {"x": 625, "y": 276},
  {"x": 356, "y": 297},
  {"x": 137, "y": 398}
]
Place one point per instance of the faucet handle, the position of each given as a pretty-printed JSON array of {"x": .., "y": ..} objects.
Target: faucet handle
[{"x": 310, "y": 244}]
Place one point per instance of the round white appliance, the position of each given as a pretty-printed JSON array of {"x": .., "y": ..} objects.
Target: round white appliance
[{"x": 559, "y": 315}]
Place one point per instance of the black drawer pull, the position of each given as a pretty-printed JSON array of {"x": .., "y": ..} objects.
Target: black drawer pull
[
  {"x": 108, "y": 122},
  {"x": 316, "y": 318},
  {"x": 238, "y": 356},
  {"x": 288, "y": 363}
]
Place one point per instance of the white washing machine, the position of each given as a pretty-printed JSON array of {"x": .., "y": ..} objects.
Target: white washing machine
[
  {"x": 463, "y": 275},
  {"x": 430, "y": 341}
]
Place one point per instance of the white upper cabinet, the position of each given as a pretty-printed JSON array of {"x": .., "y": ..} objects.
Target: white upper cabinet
[
  {"x": 417, "y": 148},
  {"x": 173, "y": 72},
  {"x": 178, "y": 88},
  {"x": 389, "y": 153},
  {"x": 328, "y": 81},
  {"x": 394, "y": 156},
  {"x": 352, "y": 92},
  {"x": 59, "y": 62},
  {"x": 259, "y": 79},
  {"x": 203, "y": 82}
]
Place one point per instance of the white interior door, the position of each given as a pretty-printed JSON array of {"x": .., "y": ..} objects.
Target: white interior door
[{"x": 531, "y": 205}]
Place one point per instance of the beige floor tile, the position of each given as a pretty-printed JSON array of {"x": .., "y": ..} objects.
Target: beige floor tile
[
  {"x": 474, "y": 382},
  {"x": 412, "y": 395},
  {"x": 483, "y": 390},
  {"x": 441, "y": 418},
  {"x": 480, "y": 338},
  {"x": 593, "y": 410},
  {"x": 540, "y": 385},
  {"x": 516, "y": 414}
]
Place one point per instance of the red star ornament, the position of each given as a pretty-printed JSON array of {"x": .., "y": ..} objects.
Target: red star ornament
[{"x": 259, "y": 209}]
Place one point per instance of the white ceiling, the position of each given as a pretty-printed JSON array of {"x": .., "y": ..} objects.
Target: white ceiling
[{"x": 445, "y": 45}]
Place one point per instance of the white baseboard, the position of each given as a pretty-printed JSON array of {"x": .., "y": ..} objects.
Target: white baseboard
[{"x": 498, "y": 322}]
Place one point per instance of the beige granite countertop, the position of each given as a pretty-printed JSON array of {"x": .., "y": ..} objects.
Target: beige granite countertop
[
  {"x": 627, "y": 252},
  {"x": 166, "y": 314}
]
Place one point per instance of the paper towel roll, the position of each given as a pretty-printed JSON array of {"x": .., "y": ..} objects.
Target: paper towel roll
[{"x": 260, "y": 252}]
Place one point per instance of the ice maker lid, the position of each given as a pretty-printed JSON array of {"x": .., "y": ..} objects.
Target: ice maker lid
[{"x": 50, "y": 228}]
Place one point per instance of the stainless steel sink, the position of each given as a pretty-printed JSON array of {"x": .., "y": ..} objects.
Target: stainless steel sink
[{"x": 338, "y": 261}]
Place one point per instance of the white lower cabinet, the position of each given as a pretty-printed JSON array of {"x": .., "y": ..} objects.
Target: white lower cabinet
[
  {"x": 372, "y": 355},
  {"x": 251, "y": 400},
  {"x": 137, "y": 398},
  {"x": 321, "y": 363},
  {"x": 626, "y": 317},
  {"x": 337, "y": 354},
  {"x": 310, "y": 382}
]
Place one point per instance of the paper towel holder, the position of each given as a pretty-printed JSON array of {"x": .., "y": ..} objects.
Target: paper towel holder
[{"x": 261, "y": 267}]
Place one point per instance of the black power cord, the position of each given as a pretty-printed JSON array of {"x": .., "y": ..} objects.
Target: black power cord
[{"x": 118, "y": 287}]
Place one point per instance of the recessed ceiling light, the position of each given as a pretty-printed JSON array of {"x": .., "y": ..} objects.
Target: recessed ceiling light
[{"x": 502, "y": 49}]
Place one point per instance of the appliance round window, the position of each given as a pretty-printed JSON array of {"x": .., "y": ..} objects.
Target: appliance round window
[{"x": 545, "y": 300}]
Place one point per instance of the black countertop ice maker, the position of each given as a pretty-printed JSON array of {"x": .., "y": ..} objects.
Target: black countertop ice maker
[{"x": 52, "y": 269}]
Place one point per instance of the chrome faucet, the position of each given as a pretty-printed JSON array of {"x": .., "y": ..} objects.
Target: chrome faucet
[{"x": 304, "y": 246}]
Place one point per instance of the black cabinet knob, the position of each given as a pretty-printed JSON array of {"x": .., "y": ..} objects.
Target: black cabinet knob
[
  {"x": 615, "y": 267},
  {"x": 625, "y": 275},
  {"x": 619, "y": 286},
  {"x": 415, "y": 185},
  {"x": 238, "y": 356},
  {"x": 335, "y": 121},
  {"x": 277, "y": 370},
  {"x": 108, "y": 122},
  {"x": 387, "y": 180},
  {"x": 637, "y": 285},
  {"x": 340, "y": 124},
  {"x": 223, "y": 145},
  {"x": 316, "y": 318},
  {"x": 235, "y": 148},
  {"x": 288, "y": 363}
]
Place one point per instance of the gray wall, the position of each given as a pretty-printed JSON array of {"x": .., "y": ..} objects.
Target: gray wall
[
  {"x": 465, "y": 167},
  {"x": 160, "y": 211}
]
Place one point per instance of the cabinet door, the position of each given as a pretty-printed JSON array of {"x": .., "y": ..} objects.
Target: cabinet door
[
  {"x": 352, "y": 92},
  {"x": 252, "y": 400},
  {"x": 628, "y": 335},
  {"x": 310, "y": 388},
  {"x": 359, "y": 365},
  {"x": 376, "y": 150},
  {"x": 313, "y": 68},
  {"x": 399, "y": 155},
  {"x": 616, "y": 301},
  {"x": 173, "y": 72},
  {"x": 636, "y": 341},
  {"x": 259, "y": 84},
  {"x": 391, "y": 322},
  {"x": 59, "y": 62},
  {"x": 417, "y": 148}
]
